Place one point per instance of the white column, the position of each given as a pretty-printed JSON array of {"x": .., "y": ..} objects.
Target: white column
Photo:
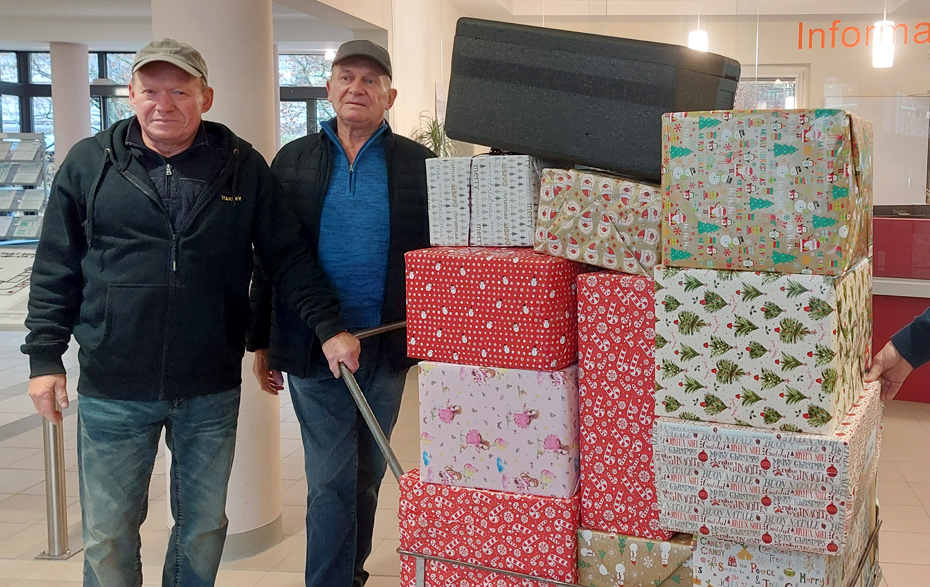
[
  {"x": 70, "y": 96},
  {"x": 235, "y": 39},
  {"x": 415, "y": 58}
]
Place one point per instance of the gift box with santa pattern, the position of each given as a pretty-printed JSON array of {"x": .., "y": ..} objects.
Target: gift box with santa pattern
[
  {"x": 599, "y": 220},
  {"x": 766, "y": 190}
]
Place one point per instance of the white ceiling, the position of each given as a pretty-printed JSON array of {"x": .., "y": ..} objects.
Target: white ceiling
[
  {"x": 675, "y": 8},
  {"x": 121, "y": 24}
]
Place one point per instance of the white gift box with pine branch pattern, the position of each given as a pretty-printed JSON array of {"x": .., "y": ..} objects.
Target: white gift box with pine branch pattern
[{"x": 767, "y": 350}]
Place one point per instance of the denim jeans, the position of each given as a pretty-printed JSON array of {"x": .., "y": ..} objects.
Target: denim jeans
[
  {"x": 117, "y": 444},
  {"x": 344, "y": 464}
]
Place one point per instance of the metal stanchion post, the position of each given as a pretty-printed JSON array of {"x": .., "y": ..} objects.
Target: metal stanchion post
[{"x": 56, "y": 496}]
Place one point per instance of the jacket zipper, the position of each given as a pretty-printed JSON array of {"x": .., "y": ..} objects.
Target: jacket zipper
[
  {"x": 164, "y": 348},
  {"x": 174, "y": 234}
]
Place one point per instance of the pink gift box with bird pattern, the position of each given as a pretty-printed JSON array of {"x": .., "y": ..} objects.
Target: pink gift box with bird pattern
[{"x": 507, "y": 430}]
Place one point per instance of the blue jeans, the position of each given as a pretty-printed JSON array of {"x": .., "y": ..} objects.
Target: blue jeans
[
  {"x": 344, "y": 465},
  {"x": 117, "y": 444}
]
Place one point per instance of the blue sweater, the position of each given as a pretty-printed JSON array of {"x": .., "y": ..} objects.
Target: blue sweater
[{"x": 355, "y": 227}]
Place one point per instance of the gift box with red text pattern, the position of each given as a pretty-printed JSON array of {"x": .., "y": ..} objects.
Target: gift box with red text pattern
[
  {"x": 616, "y": 348},
  {"x": 787, "y": 490},
  {"x": 525, "y": 534},
  {"x": 491, "y": 307}
]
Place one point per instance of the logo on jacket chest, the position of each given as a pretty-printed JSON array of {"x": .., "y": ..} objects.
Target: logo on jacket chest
[{"x": 231, "y": 198}]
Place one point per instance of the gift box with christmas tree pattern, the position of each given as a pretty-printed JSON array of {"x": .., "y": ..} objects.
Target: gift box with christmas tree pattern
[
  {"x": 787, "y": 490},
  {"x": 766, "y": 190},
  {"x": 761, "y": 349}
]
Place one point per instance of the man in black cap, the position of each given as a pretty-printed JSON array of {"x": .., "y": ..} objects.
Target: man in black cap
[
  {"x": 359, "y": 192},
  {"x": 145, "y": 255}
]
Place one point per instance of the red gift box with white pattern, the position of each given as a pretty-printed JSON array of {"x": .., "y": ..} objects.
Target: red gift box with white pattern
[
  {"x": 616, "y": 380},
  {"x": 438, "y": 574},
  {"x": 527, "y": 534},
  {"x": 491, "y": 307}
]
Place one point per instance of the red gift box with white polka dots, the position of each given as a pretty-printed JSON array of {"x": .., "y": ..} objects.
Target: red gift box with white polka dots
[
  {"x": 616, "y": 380},
  {"x": 491, "y": 307},
  {"x": 527, "y": 534}
]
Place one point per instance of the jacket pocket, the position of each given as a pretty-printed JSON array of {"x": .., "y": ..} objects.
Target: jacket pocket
[
  {"x": 133, "y": 330},
  {"x": 198, "y": 335}
]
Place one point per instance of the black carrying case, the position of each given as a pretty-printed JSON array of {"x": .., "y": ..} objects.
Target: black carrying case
[{"x": 577, "y": 97}]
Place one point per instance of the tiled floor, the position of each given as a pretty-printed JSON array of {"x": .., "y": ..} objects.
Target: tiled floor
[{"x": 904, "y": 488}]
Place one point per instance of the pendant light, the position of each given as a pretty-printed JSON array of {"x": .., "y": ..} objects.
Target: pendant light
[
  {"x": 697, "y": 39},
  {"x": 883, "y": 49}
]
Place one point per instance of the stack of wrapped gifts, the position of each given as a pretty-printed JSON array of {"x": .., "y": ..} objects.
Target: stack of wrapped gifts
[
  {"x": 666, "y": 389},
  {"x": 767, "y": 442},
  {"x": 496, "y": 328}
]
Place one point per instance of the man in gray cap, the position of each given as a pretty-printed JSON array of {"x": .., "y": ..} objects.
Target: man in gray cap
[
  {"x": 145, "y": 255},
  {"x": 359, "y": 192}
]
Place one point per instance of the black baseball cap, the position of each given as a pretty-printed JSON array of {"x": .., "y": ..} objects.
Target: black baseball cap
[{"x": 367, "y": 49}]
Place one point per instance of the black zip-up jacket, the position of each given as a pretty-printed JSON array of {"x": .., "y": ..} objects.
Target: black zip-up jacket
[
  {"x": 161, "y": 313},
  {"x": 305, "y": 167},
  {"x": 913, "y": 341}
]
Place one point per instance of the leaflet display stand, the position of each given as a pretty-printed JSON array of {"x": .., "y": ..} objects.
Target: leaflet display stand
[{"x": 23, "y": 185}]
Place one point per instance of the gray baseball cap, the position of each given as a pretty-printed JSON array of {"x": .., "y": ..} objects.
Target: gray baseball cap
[
  {"x": 174, "y": 52},
  {"x": 367, "y": 49}
]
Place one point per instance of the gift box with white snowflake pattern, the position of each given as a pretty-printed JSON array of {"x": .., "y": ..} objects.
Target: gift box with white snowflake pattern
[
  {"x": 439, "y": 574},
  {"x": 722, "y": 563},
  {"x": 502, "y": 429},
  {"x": 766, "y": 190},
  {"x": 527, "y": 534},
  {"x": 599, "y": 220},
  {"x": 616, "y": 375},
  {"x": 492, "y": 307},
  {"x": 787, "y": 490},
  {"x": 485, "y": 200},
  {"x": 761, "y": 349},
  {"x": 607, "y": 559}
]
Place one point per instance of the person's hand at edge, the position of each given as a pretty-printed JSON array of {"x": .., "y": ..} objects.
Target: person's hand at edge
[
  {"x": 269, "y": 380},
  {"x": 891, "y": 369},
  {"x": 342, "y": 348},
  {"x": 49, "y": 394}
]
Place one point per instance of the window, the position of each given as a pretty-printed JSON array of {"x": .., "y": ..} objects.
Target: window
[
  {"x": 772, "y": 87},
  {"x": 764, "y": 94},
  {"x": 43, "y": 120},
  {"x": 303, "y": 70},
  {"x": 303, "y": 94},
  {"x": 9, "y": 114},
  {"x": 93, "y": 67},
  {"x": 9, "y": 70},
  {"x": 119, "y": 67},
  {"x": 40, "y": 68}
]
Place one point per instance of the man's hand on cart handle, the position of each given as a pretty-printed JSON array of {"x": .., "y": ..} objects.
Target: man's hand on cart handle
[
  {"x": 269, "y": 380},
  {"x": 342, "y": 348},
  {"x": 49, "y": 394}
]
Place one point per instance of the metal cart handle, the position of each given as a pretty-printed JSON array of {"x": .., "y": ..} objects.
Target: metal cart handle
[{"x": 362, "y": 403}]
